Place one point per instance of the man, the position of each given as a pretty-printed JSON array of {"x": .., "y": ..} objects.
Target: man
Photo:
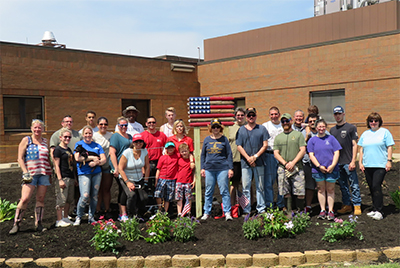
[
  {"x": 131, "y": 114},
  {"x": 289, "y": 149},
  {"x": 298, "y": 121},
  {"x": 252, "y": 141},
  {"x": 155, "y": 142},
  {"x": 90, "y": 121},
  {"x": 237, "y": 167},
  {"x": 308, "y": 133},
  {"x": 66, "y": 122},
  {"x": 170, "y": 114},
  {"x": 274, "y": 128},
  {"x": 347, "y": 136}
]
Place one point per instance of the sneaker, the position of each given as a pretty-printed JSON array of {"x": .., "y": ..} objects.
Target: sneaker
[
  {"x": 205, "y": 217},
  {"x": 62, "y": 223},
  {"x": 308, "y": 209},
  {"x": 77, "y": 221},
  {"x": 345, "y": 209},
  {"x": 123, "y": 218},
  {"x": 331, "y": 216},
  {"x": 67, "y": 221},
  {"x": 357, "y": 210},
  {"x": 228, "y": 216},
  {"x": 14, "y": 229},
  {"x": 91, "y": 220},
  {"x": 371, "y": 214},
  {"x": 322, "y": 215},
  {"x": 377, "y": 216}
]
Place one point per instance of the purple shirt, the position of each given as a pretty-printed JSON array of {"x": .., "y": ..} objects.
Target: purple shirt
[{"x": 324, "y": 149}]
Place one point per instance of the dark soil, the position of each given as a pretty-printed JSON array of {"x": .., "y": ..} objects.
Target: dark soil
[{"x": 212, "y": 236}]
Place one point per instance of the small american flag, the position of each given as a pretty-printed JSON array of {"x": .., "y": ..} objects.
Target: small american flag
[
  {"x": 186, "y": 208},
  {"x": 242, "y": 199}
]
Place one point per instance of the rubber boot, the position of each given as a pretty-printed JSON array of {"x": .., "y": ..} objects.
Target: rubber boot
[
  {"x": 38, "y": 219},
  {"x": 19, "y": 213}
]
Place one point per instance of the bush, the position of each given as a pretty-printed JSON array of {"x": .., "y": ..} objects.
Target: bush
[
  {"x": 300, "y": 222},
  {"x": 183, "y": 228},
  {"x": 252, "y": 227},
  {"x": 277, "y": 224},
  {"x": 396, "y": 198},
  {"x": 341, "y": 229},
  {"x": 106, "y": 235},
  {"x": 130, "y": 229},
  {"x": 7, "y": 210},
  {"x": 159, "y": 228}
]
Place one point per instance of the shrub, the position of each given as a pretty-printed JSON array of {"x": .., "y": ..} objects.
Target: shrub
[
  {"x": 106, "y": 235},
  {"x": 341, "y": 229},
  {"x": 252, "y": 227},
  {"x": 130, "y": 229},
  {"x": 396, "y": 198},
  {"x": 183, "y": 228},
  {"x": 277, "y": 224},
  {"x": 7, "y": 210},
  {"x": 159, "y": 228},
  {"x": 300, "y": 222}
]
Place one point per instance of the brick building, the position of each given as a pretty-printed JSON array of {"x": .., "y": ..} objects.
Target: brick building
[{"x": 349, "y": 58}]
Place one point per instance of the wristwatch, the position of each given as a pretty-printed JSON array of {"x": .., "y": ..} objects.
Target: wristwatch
[{"x": 390, "y": 160}]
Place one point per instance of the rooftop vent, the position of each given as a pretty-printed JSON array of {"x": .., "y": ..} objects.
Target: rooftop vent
[{"x": 49, "y": 40}]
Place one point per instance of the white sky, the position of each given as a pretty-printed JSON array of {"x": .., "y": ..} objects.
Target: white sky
[{"x": 147, "y": 28}]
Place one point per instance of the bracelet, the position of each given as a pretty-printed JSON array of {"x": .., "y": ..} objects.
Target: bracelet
[
  {"x": 390, "y": 160},
  {"x": 256, "y": 155}
]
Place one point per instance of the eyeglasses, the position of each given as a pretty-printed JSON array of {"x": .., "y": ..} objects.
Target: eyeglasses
[
  {"x": 373, "y": 120},
  {"x": 311, "y": 121},
  {"x": 285, "y": 121},
  {"x": 239, "y": 115},
  {"x": 103, "y": 124},
  {"x": 123, "y": 125},
  {"x": 151, "y": 122},
  {"x": 67, "y": 137},
  {"x": 214, "y": 127},
  {"x": 251, "y": 115}
]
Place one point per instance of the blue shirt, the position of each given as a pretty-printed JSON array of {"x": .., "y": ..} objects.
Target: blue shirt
[
  {"x": 375, "y": 145},
  {"x": 324, "y": 149},
  {"x": 216, "y": 154},
  {"x": 85, "y": 168},
  {"x": 120, "y": 144}
]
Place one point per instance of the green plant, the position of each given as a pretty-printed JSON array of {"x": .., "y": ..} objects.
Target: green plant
[
  {"x": 341, "y": 229},
  {"x": 396, "y": 198},
  {"x": 159, "y": 228},
  {"x": 277, "y": 224},
  {"x": 106, "y": 235},
  {"x": 300, "y": 222},
  {"x": 130, "y": 229},
  {"x": 252, "y": 227},
  {"x": 7, "y": 210},
  {"x": 183, "y": 228}
]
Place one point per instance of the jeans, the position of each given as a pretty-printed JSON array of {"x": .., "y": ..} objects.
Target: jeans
[
  {"x": 247, "y": 176},
  {"x": 374, "y": 177},
  {"x": 346, "y": 177},
  {"x": 89, "y": 185},
  {"x": 271, "y": 175},
  {"x": 220, "y": 177}
]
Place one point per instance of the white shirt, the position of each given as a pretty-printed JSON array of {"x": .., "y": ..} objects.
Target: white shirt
[
  {"x": 133, "y": 128},
  {"x": 95, "y": 129},
  {"x": 168, "y": 130},
  {"x": 273, "y": 130}
]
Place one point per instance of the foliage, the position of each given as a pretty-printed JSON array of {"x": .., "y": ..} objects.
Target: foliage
[
  {"x": 396, "y": 198},
  {"x": 300, "y": 222},
  {"x": 106, "y": 235},
  {"x": 7, "y": 210},
  {"x": 130, "y": 229},
  {"x": 183, "y": 228},
  {"x": 341, "y": 229},
  {"x": 159, "y": 228},
  {"x": 277, "y": 224},
  {"x": 252, "y": 227}
]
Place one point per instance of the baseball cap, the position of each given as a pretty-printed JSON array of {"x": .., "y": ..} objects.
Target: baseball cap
[
  {"x": 216, "y": 121},
  {"x": 169, "y": 144},
  {"x": 287, "y": 116},
  {"x": 138, "y": 137},
  {"x": 338, "y": 109},
  {"x": 251, "y": 110}
]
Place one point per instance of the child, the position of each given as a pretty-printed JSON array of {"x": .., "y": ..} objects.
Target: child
[
  {"x": 184, "y": 181},
  {"x": 167, "y": 168}
]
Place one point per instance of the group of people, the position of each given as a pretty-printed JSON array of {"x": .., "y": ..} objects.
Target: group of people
[{"x": 298, "y": 153}]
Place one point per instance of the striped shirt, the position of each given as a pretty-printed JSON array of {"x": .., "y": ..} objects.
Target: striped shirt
[{"x": 37, "y": 158}]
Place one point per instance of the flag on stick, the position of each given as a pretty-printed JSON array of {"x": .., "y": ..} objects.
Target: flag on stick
[
  {"x": 186, "y": 208},
  {"x": 242, "y": 199}
]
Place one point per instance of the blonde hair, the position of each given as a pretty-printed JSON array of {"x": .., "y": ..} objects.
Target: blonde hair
[
  {"x": 121, "y": 118},
  {"x": 37, "y": 121},
  {"x": 170, "y": 109},
  {"x": 180, "y": 121},
  {"x": 87, "y": 127},
  {"x": 64, "y": 129}
]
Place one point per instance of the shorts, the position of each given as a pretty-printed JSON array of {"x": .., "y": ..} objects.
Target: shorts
[
  {"x": 183, "y": 189},
  {"x": 328, "y": 177},
  {"x": 310, "y": 182},
  {"x": 40, "y": 180},
  {"x": 237, "y": 173},
  {"x": 165, "y": 189},
  {"x": 65, "y": 195},
  {"x": 295, "y": 184}
]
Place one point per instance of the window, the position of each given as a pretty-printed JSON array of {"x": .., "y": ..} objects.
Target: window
[
  {"x": 326, "y": 101},
  {"x": 141, "y": 105},
  {"x": 240, "y": 102},
  {"x": 20, "y": 110}
]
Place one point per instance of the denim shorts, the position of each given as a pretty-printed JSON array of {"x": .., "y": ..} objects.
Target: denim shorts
[
  {"x": 328, "y": 177},
  {"x": 40, "y": 180}
]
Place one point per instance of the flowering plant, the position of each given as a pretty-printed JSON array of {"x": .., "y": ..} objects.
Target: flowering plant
[
  {"x": 159, "y": 228},
  {"x": 300, "y": 222},
  {"x": 183, "y": 228},
  {"x": 106, "y": 235},
  {"x": 341, "y": 229},
  {"x": 252, "y": 227},
  {"x": 277, "y": 224},
  {"x": 130, "y": 229}
]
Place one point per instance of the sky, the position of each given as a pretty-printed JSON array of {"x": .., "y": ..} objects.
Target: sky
[{"x": 148, "y": 28}]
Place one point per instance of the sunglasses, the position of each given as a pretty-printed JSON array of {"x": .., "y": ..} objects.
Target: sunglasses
[
  {"x": 151, "y": 122},
  {"x": 285, "y": 121},
  {"x": 67, "y": 137},
  {"x": 103, "y": 124},
  {"x": 251, "y": 115},
  {"x": 214, "y": 127},
  {"x": 374, "y": 121},
  {"x": 123, "y": 125},
  {"x": 311, "y": 121}
]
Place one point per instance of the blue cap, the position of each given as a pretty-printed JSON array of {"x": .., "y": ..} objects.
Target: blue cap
[
  {"x": 168, "y": 144},
  {"x": 338, "y": 109}
]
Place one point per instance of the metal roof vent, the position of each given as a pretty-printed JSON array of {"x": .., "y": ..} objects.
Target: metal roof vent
[{"x": 49, "y": 40}]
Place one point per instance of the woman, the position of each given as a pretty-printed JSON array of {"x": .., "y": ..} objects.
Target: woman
[
  {"x": 119, "y": 142},
  {"x": 131, "y": 176},
  {"x": 89, "y": 174},
  {"x": 64, "y": 164},
  {"x": 33, "y": 158},
  {"x": 324, "y": 155},
  {"x": 180, "y": 131},
  {"x": 216, "y": 166},
  {"x": 375, "y": 159},
  {"x": 102, "y": 137}
]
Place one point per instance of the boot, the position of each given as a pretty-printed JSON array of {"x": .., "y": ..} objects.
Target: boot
[
  {"x": 38, "y": 219},
  {"x": 345, "y": 209},
  {"x": 357, "y": 210},
  {"x": 19, "y": 213}
]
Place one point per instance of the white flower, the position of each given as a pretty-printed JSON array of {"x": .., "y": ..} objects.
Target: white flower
[
  {"x": 119, "y": 231},
  {"x": 289, "y": 225},
  {"x": 152, "y": 217},
  {"x": 152, "y": 233}
]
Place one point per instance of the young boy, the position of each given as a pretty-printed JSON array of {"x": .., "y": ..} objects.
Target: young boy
[
  {"x": 167, "y": 169},
  {"x": 184, "y": 181}
]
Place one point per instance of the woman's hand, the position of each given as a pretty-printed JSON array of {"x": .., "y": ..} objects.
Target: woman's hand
[
  {"x": 330, "y": 169},
  {"x": 131, "y": 186},
  {"x": 203, "y": 173},
  {"x": 94, "y": 163},
  {"x": 62, "y": 184},
  {"x": 388, "y": 166},
  {"x": 323, "y": 169},
  {"x": 362, "y": 168}
]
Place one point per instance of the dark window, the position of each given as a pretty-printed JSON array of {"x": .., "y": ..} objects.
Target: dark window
[
  {"x": 326, "y": 101},
  {"x": 19, "y": 112},
  {"x": 141, "y": 105},
  {"x": 240, "y": 102}
]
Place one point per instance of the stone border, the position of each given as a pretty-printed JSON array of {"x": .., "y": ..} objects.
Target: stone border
[{"x": 311, "y": 258}]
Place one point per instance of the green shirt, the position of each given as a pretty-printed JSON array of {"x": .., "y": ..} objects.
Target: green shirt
[
  {"x": 232, "y": 141},
  {"x": 289, "y": 145}
]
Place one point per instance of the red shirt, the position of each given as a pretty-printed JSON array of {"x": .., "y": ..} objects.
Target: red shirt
[
  {"x": 185, "y": 173},
  {"x": 168, "y": 166},
  {"x": 154, "y": 144},
  {"x": 185, "y": 139}
]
